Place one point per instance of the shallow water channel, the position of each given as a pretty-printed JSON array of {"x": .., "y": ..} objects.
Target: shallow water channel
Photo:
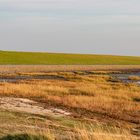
[
  {"x": 124, "y": 77},
  {"x": 27, "y": 77}
]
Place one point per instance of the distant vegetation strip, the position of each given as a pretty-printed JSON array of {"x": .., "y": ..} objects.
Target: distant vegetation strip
[
  {"x": 12, "y": 69},
  {"x": 31, "y": 58}
]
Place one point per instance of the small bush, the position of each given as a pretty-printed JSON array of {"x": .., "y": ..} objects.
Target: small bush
[
  {"x": 24, "y": 137},
  {"x": 136, "y": 99}
]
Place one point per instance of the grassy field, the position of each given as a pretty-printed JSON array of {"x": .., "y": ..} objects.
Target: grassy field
[
  {"x": 65, "y": 59},
  {"x": 100, "y": 106}
]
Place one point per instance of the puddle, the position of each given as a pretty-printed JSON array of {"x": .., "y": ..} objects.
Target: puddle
[
  {"x": 29, "y": 106},
  {"x": 125, "y": 77}
]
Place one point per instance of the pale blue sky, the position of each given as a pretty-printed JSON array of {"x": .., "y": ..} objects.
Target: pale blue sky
[{"x": 72, "y": 26}]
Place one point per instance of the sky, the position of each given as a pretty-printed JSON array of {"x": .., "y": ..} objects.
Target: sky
[{"x": 71, "y": 26}]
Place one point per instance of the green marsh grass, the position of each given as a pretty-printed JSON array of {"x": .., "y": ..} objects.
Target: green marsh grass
[{"x": 7, "y": 57}]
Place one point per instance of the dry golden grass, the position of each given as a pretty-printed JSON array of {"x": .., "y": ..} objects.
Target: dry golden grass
[
  {"x": 78, "y": 133},
  {"x": 135, "y": 78}
]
